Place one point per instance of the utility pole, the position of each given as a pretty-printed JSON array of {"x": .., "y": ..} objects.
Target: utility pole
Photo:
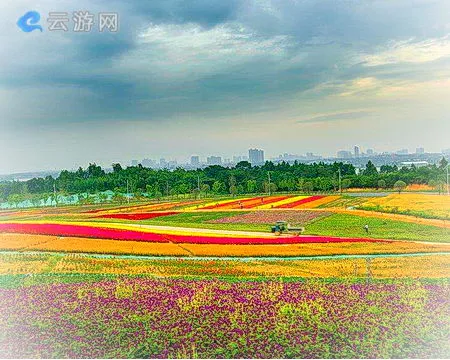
[
  {"x": 448, "y": 188},
  {"x": 340, "y": 186},
  {"x": 198, "y": 185},
  {"x": 268, "y": 175},
  {"x": 54, "y": 191},
  {"x": 128, "y": 194}
]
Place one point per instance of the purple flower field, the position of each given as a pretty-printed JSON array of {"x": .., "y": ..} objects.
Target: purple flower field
[{"x": 159, "y": 318}]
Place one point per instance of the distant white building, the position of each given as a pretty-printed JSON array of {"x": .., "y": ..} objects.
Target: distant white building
[{"x": 409, "y": 164}]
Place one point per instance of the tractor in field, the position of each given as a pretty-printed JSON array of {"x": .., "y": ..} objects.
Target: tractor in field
[{"x": 281, "y": 227}]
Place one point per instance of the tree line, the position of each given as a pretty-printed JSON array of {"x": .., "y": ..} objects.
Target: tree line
[{"x": 217, "y": 180}]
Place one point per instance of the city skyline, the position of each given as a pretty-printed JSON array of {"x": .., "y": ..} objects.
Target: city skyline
[{"x": 233, "y": 159}]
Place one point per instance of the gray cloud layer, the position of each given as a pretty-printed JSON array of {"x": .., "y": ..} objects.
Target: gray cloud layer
[{"x": 215, "y": 61}]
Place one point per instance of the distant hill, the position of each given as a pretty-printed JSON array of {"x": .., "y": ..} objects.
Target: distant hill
[{"x": 29, "y": 175}]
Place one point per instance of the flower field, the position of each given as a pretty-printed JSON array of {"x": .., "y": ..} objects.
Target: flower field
[
  {"x": 318, "y": 202},
  {"x": 216, "y": 204},
  {"x": 422, "y": 205},
  {"x": 283, "y": 202},
  {"x": 344, "y": 201},
  {"x": 136, "y": 233},
  {"x": 48, "y": 264},
  {"x": 299, "y": 202},
  {"x": 145, "y": 207},
  {"x": 200, "y": 279},
  {"x": 160, "y": 318},
  {"x": 249, "y": 203}
]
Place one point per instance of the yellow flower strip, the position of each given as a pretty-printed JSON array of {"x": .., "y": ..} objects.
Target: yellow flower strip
[{"x": 282, "y": 202}]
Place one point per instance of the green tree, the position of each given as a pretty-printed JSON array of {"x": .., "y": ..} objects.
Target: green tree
[
  {"x": 381, "y": 184},
  {"x": 440, "y": 186},
  {"x": 345, "y": 184},
  {"x": 399, "y": 186},
  {"x": 117, "y": 168},
  {"x": 300, "y": 184},
  {"x": 218, "y": 187},
  {"x": 370, "y": 169},
  {"x": 205, "y": 189},
  {"x": 251, "y": 186},
  {"x": 308, "y": 186}
]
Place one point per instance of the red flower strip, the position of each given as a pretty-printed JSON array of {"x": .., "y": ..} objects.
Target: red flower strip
[{"x": 118, "y": 234}]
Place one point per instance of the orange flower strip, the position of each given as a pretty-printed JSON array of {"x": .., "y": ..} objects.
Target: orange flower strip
[{"x": 77, "y": 244}]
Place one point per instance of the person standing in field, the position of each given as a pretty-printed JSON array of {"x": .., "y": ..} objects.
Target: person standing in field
[{"x": 366, "y": 227}]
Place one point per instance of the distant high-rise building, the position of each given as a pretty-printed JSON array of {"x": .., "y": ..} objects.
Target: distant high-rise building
[
  {"x": 356, "y": 151},
  {"x": 134, "y": 163},
  {"x": 162, "y": 162},
  {"x": 420, "y": 150},
  {"x": 256, "y": 156},
  {"x": 237, "y": 159},
  {"x": 370, "y": 152},
  {"x": 148, "y": 163},
  {"x": 195, "y": 160},
  {"x": 344, "y": 154},
  {"x": 214, "y": 160},
  {"x": 172, "y": 164},
  {"x": 402, "y": 152}
]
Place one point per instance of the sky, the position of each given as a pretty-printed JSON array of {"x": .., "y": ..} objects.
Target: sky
[{"x": 215, "y": 77}]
